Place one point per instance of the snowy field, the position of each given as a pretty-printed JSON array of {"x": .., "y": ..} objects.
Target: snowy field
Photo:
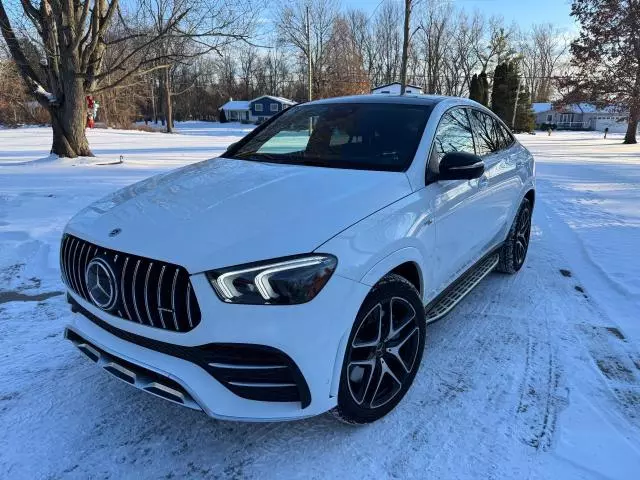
[{"x": 533, "y": 376}]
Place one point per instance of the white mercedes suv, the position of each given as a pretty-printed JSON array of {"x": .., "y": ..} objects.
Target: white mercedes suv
[{"x": 297, "y": 273}]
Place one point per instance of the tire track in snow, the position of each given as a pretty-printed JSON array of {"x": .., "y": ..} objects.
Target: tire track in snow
[
  {"x": 603, "y": 360},
  {"x": 537, "y": 408},
  {"x": 539, "y": 403}
]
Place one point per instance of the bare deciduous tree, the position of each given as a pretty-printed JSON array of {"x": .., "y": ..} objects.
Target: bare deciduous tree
[
  {"x": 388, "y": 35},
  {"x": 196, "y": 27},
  {"x": 434, "y": 35},
  {"x": 542, "y": 52},
  {"x": 345, "y": 73},
  {"x": 364, "y": 40},
  {"x": 498, "y": 48},
  {"x": 248, "y": 61},
  {"x": 73, "y": 38},
  {"x": 293, "y": 18}
]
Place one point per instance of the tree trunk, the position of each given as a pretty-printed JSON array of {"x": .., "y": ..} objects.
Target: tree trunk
[
  {"x": 632, "y": 128},
  {"x": 166, "y": 96},
  {"x": 630, "y": 137},
  {"x": 154, "y": 114},
  {"x": 68, "y": 121},
  {"x": 405, "y": 46}
]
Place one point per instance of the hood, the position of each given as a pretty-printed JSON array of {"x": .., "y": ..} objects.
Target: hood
[{"x": 222, "y": 212}]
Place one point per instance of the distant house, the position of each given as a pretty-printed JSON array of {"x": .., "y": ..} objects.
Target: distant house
[
  {"x": 266, "y": 106},
  {"x": 236, "y": 110},
  {"x": 394, "y": 89},
  {"x": 256, "y": 110},
  {"x": 581, "y": 116}
]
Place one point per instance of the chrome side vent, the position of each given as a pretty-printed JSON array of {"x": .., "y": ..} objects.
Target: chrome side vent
[{"x": 257, "y": 373}]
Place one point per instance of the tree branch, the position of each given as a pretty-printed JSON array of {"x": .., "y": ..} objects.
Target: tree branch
[
  {"x": 30, "y": 77},
  {"x": 80, "y": 25},
  {"x": 131, "y": 73}
]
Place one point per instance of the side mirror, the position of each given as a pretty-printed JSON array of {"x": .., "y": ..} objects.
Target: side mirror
[
  {"x": 460, "y": 166},
  {"x": 231, "y": 145}
]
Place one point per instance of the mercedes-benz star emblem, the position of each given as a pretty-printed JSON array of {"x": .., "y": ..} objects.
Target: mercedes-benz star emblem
[
  {"x": 115, "y": 232},
  {"x": 101, "y": 284}
]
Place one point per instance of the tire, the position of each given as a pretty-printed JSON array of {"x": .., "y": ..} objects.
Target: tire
[
  {"x": 514, "y": 250},
  {"x": 383, "y": 353}
]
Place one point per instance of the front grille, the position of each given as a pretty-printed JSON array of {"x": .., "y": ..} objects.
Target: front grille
[{"x": 149, "y": 292}]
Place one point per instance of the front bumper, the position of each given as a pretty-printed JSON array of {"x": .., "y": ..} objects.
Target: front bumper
[{"x": 192, "y": 368}]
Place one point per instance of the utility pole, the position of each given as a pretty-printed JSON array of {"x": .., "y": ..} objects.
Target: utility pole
[
  {"x": 515, "y": 106},
  {"x": 310, "y": 74},
  {"x": 405, "y": 46}
]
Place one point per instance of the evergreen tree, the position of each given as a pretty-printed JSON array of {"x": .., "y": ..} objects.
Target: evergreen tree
[
  {"x": 525, "y": 118},
  {"x": 505, "y": 90},
  {"x": 484, "y": 88},
  {"x": 223, "y": 116},
  {"x": 474, "y": 89}
]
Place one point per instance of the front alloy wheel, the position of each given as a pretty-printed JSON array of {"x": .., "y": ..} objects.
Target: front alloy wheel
[{"x": 384, "y": 351}]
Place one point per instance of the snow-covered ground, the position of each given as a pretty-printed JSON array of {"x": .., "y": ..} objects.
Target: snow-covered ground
[{"x": 532, "y": 376}]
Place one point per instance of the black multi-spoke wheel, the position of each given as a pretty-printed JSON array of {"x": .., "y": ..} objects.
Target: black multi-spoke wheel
[
  {"x": 514, "y": 250},
  {"x": 383, "y": 353}
]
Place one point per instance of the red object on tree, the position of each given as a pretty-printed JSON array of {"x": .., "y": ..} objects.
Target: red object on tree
[{"x": 90, "y": 112}]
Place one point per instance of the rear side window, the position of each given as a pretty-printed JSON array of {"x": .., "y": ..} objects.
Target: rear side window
[
  {"x": 489, "y": 138},
  {"x": 453, "y": 135},
  {"x": 507, "y": 138}
]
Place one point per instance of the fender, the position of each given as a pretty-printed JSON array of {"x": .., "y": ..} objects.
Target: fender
[
  {"x": 526, "y": 187},
  {"x": 370, "y": 278},
  {"x": 391, "y": 261},
  {"x": 528, "y": 184}
]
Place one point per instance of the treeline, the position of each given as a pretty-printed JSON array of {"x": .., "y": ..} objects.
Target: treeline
[
  {"x": 352, "y": 51},
  {"x": 182, "y": 59}
]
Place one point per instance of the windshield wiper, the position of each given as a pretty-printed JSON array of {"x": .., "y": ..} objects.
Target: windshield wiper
[{"x": 259, "y": 157}]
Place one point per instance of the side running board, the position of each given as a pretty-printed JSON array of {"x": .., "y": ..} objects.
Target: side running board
[{"x": 445, "y": 302}]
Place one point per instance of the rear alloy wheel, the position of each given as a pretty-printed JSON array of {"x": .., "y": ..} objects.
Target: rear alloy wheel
[
  {"x": 384, "y": 352},
  {"x": 515, "y": 248}
]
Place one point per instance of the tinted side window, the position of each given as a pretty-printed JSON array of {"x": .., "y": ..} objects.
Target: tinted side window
[
  {"x": 453, "y": 135},
  {"x": 487, "y": 132},
  {"x": 507, "y": 138}
]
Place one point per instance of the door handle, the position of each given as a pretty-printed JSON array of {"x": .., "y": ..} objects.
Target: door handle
[{"x": 483, "y": 182}]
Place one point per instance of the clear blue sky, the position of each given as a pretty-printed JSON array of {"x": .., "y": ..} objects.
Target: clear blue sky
[{"x": 524, "y": 12}]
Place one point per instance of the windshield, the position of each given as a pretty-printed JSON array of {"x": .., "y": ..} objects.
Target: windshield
[{"x": 371, "y": 136}]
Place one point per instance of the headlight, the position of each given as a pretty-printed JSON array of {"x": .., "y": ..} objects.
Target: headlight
[{"x": 277, "y": 282}]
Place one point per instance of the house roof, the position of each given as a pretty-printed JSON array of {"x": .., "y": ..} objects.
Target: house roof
[
  {"x": 286, "y": 101},
  {"x": 589, "y": 108},
  {"x": 541, "y": 107},
  {"x": 395, "y": 83},
  {"x": 235, "y": 105},
  {"x": 574, "y": 108}
]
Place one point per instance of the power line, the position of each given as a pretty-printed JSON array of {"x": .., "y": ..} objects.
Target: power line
[{"x": 374, "y": 10}]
